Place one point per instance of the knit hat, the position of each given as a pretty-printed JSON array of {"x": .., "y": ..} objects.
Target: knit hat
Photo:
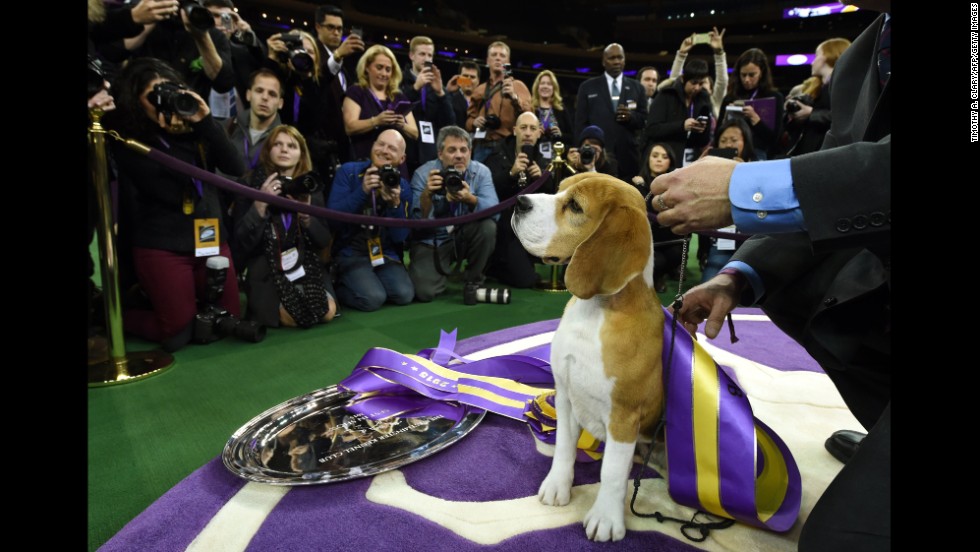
[{"x": 594, "y": 133}]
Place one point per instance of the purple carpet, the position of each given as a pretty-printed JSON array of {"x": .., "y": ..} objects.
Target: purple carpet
[{"x": 496, "y": 462}]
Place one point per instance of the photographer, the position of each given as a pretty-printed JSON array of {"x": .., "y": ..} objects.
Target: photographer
[
  {"x": 591, "y": 155},
  {"x": 675, "y": 110},
  {"x": 422, "y": 83},
  {"x": 191, "y": 44},
  {"x": 808, "y": 113},
  {"x": 173, "y": 221},
  {"x": 495, "y": 104},
  {"x": 513, "y": 167},
  {"x": 306, "y": 94},
  {"x": 369, "y": 258},
  {"x": 451, "y": 185},
  {"x": 279, "y": 249},
  {"x": 247, "y": 52}
]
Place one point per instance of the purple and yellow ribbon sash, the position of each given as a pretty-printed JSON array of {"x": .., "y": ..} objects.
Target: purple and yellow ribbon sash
[{"x": 720, "y": 458}]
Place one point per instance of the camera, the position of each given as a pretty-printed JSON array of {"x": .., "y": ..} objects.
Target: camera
[
  {"x": 452, "y": 181},
  {"x": 507, "y": 70},
  {"x": 794, "y": 103},
  {"x": 492, "y": 122},
  {"x": 703, "y": 120},
  {"x": 528, "y": 150},
  {"x": 587, "y": 154},
  {"x": 169, "y": 98},
  {"x": 390, "y": 176},
  {"x": 212, "y": 322},
  {"x": 95, "y": 76},
  {"x": 301, "y": 59},
  {"x": 199, "y": 16},
  {"x": 427, "y": 65},
  {"x": 300, "y": 185},
  {"x": 226, "y": 22},
  {"x": 473, "y": 294}
]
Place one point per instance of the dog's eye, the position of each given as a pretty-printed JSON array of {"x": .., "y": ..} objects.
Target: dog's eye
[{"x": 574, "y": 206}]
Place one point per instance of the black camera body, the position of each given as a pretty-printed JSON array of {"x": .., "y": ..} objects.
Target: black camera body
[
  {"x": 794, "y": 103},
  {"x": 587, "y": 154},
  {"x": 169, "y": 98},
  {"x": 301, "y": 59},
  {"x": 528, "y": 150},
  {"x": 492, "y": 122},
  {"x": 452, "y": 181},
  {"x": 390, "y": 176},
  {"x": 213, "y": 323},
  {"x": 94, "y": 76},
  {"x": 300, "y": 185},
  {"x": 199, "y": 16}
]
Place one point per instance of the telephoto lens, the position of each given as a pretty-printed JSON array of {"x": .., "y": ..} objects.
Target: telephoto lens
[{"x": 501, "y": 296}]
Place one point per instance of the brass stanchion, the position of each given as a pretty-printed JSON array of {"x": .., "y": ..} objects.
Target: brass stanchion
[
  {"x": 121, "y": 367},
  {"x": 557, "y": 168}
]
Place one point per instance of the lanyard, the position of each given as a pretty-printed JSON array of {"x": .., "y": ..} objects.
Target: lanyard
[
  {"x": 287, "y": 219},
  {"x": 252, "y": 162},
  {"x": 297, "y": 95}
]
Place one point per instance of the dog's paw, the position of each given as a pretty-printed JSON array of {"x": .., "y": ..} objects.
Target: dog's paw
[
  {"x": 556, "y": 489},
  {"x": 601, "y": 524}
]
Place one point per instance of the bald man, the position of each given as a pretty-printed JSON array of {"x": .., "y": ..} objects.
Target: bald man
[
  {"x": 369, "y": 260},
  {"x": 516, "y": 165},
  {"x": 616, "y": 104}
]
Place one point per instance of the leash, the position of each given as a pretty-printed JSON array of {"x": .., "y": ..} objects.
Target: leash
[{"x": 704, "y": 527}]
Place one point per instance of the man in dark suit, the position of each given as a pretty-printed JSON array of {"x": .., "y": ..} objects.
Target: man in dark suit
[
  {"x": 339, "y": 60},
  {"x": 616, "y": 104},
  {"x": 821, "y": 271}
]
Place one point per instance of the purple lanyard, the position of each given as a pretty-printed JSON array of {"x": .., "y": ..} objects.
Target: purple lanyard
[
  {"x": 287, "y": 219},
  {"x": 253, "y": 161},
  {"x": 754, "y": 92},
  {"x": 423, "y": 98},
  {"x": 297, "y": 95},
  {"x": 197, "y": 183},
  {"x": 544, "y": 114}
]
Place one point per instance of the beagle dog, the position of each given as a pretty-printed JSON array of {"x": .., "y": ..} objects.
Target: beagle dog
[{"x": 606, "y": 352}]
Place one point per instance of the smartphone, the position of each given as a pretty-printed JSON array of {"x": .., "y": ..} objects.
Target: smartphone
[
  {"x": 463, "y": 80},
  {"x": 727, "y": 153},
  {"x": 359, "y": 31},
  {"x": 702, "y": 38}
]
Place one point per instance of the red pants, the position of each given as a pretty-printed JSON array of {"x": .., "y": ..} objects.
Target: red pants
[{"x": 174, "y": 282}]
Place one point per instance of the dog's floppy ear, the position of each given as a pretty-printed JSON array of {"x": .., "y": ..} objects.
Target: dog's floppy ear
[
  {"x": 574, "y": 178},
  {"x": 615, "y": 252}
]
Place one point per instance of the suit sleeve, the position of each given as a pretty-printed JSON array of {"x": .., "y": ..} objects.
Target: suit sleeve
[
  {"x": 581, "y": 111},
  {"x": 658, "y": 128}
]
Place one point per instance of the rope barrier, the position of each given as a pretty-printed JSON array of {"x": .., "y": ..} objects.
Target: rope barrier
[{"x": 289, "y": 204}]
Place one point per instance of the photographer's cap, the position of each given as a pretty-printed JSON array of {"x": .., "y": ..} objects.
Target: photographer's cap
[{"x": 594, "y": 133}]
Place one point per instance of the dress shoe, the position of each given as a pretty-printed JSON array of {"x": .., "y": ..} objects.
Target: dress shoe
[{"x": 842, "y": 444}]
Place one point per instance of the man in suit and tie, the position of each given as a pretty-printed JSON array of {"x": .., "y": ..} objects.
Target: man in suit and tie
[
  {"x": 616, "y": 104},
  {"x": 820, "y": 267},
  {"x": 339, "y": 59}
]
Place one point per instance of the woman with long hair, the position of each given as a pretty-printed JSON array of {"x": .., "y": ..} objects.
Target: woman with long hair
[
  {"x": 808, "y": 111},
  {"x": 285, "y": 282},
  {"x": 549, "y": 107},
  {"x": 752, "y": 82},
  {"x": 172, "y": 223},
  {"x": 370, "y": 105},
  {"x": 660, "y": 160}
]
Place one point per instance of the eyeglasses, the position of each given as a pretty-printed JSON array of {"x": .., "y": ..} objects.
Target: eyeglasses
[{"x": 332, "y": 28}]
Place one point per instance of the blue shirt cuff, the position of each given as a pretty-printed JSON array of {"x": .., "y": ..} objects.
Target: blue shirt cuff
[
  {"x": 763, "y": 199},
  {"x": 755, "y": 282}
]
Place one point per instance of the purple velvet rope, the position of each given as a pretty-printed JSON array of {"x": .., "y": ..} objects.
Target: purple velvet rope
[{"x": 279, "y": 201}]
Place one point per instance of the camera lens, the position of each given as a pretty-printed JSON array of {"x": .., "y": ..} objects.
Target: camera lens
[
  {"x": 199, "y": 16},
  {"x": 587, "y": 154},
  {"x": 301, "y": 60},
  {"x": 500, "y": 296},
  {"x": 452, "y": 181},
  {"x": 492, "y": 122}
]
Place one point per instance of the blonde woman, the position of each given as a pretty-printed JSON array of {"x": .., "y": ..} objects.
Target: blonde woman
[
  {"x": 376, "y": 104},
  {"x": 548, "y": 106}
]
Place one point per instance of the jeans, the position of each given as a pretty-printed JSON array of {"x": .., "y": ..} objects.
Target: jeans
[{"x": 364, "y": 287}]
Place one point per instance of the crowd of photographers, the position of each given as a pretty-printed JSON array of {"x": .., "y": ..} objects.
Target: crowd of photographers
[{"x": 325, "y": 119}]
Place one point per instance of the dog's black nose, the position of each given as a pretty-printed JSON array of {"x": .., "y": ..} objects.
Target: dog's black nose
[{"x": 523, "y": 204}]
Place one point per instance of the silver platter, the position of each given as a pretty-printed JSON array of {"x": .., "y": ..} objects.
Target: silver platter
[{"x": 314, "y": 439}]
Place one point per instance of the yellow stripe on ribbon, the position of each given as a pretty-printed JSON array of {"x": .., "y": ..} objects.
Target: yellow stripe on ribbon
[
  {"x": 771, "y": 485},
  {"x": 489, "y": 395},
  {"x": 705, "y": 425},
  {"x": 449, "y": 373}
]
